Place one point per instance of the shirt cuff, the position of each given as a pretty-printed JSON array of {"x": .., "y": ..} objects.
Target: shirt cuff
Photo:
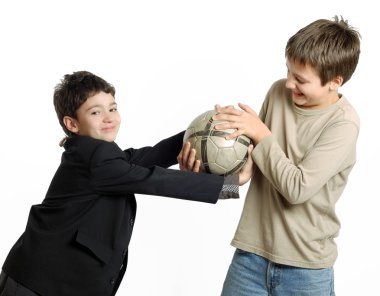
[{"x": 230, "y": 188}]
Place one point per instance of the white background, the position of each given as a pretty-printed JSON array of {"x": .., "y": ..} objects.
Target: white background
[{"x": 170, "y": 61}]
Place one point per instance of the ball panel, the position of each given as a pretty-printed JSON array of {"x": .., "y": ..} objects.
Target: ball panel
[
  {"x": 221, "y": 142},
  {"x": 210, "y": 151},
  {"x": 214, "y": 168},
  {"x": 237, "y": 166},
  {"x": 226, "y": 157}
]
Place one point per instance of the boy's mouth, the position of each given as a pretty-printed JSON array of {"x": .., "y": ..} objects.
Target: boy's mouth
[{"x": 108, "y": 129}]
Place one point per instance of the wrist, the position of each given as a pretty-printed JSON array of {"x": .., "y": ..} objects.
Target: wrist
[{"x": 259, "y": 137}]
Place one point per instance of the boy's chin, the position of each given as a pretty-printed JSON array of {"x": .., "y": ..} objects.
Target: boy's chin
[
  {"x": 110, "y": 139},
  {"x": 299, "y": 101},
  {"x": 107, "y": 138}
]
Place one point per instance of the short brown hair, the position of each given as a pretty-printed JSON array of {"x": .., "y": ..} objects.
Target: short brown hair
[
  {"x": 331, "y": 47},
  {"x": 73, "y": 90}
]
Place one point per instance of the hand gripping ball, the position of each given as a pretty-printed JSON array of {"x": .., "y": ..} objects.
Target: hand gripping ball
[{"x": 217, "y": 155}]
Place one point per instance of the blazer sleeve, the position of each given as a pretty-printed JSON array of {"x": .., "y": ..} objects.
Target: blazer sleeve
[
  {"x": 113, "y": 174},
  {"x": 163, "y": 154}
]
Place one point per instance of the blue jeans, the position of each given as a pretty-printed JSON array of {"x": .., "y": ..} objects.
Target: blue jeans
[{"x": 252, "y": 275}]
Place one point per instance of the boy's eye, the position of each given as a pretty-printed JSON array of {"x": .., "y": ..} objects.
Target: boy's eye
[
  {"x": 113, "y": 109},
  {"x": 95, "y": 113}
]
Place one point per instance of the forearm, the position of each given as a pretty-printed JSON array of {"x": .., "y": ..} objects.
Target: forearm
[
  {"x": 163, "y": 154},
  {"x": 332, "y": 156}
]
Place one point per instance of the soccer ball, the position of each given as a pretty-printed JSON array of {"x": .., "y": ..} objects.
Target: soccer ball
[{"x": 217, "y": 155}]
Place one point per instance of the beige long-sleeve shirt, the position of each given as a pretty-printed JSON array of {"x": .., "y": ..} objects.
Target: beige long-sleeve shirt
[{"x": 289, "y": 212}]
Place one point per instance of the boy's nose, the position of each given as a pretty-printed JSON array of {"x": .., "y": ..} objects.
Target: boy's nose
[
  {"x": 289, "y": 84},
  {"x": 108, "y": 118}
]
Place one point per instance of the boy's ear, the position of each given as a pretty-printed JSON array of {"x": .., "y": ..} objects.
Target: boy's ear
[
  {"x": 71, "y": 124},
  {"x": 336, "y": 83}
]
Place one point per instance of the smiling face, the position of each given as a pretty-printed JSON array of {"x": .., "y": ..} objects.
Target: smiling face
[
  {"x": 97, "y": 117},
  {"x": 307, "y": 91}
]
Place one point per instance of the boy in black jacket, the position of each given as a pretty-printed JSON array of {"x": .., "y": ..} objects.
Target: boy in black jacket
[{"x": 76, "y": 242}]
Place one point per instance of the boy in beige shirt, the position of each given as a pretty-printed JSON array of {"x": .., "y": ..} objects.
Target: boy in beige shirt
[{"x": 305, "y": 145}]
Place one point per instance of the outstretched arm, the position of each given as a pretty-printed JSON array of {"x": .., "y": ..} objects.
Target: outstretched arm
[{"x": 163, "y": 154}]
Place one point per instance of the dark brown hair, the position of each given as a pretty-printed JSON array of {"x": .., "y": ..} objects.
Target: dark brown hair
[
  {"x": 73, "y": 90},
  {"x": 331, "y": 47}
]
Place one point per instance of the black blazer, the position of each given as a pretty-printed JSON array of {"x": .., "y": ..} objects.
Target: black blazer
[{"x": 76, "y": 242}]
